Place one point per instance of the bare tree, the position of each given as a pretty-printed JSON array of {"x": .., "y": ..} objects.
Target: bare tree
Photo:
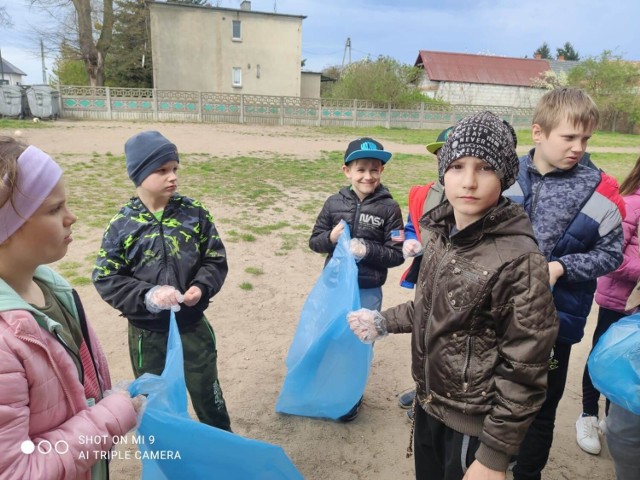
[
  {"x": 5, "y": 18},
  {"x": 86, "y": 27}
]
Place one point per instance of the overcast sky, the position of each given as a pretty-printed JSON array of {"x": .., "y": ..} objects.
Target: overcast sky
[{"x": 400, "y": 28}]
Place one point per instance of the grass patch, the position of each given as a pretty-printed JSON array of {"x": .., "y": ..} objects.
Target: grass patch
[
  {"x": 254, "y": 271},
  {"x": 246, "y": 286},
  {"x": 79, "y": 281},
  {"x": 266, "y": 229},
  {"x": 600, "y": 138},
  {"x": 14, "y": 123}
]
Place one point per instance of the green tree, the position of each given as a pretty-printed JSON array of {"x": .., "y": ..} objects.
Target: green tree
[
  {"x": 543, "y": 51},
  {"x": 380, "y": 80},
  {"x": 331, "y": 76},
  {"x": 129, "y": 63},
  {"x": 568, "y": 52},
  {"x": 612, "y": 83},
  {"x": 68, "y": 69}
]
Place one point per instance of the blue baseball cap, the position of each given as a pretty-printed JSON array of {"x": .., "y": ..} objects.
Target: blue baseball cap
[{"x": 366, "y": 148}]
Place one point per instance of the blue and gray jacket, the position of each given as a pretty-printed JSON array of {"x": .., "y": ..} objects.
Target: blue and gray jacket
[{"x": 576, "y": 223}]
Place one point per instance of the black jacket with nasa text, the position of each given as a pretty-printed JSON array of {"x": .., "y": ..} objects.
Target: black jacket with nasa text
[{"x": 372, "y": 220}]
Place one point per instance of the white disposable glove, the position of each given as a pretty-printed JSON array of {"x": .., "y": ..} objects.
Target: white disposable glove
[
  {"x": 163, "y": 297},
  {"x": 368, "y": 325},
  {"x": 411, "y": 248},
  {"x": 358, "y": 248}
]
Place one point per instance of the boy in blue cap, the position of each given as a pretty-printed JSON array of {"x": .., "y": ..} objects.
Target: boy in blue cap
[
  {"x": 162, "y": 252},
  {"x": 374, "y": 219}
]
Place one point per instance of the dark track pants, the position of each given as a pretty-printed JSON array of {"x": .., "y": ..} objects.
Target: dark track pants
[
  {"x": 148, "y": 351},
  {"x": 440, "y": 452},
  {"x": 535, "y": 448},
  {"x": 590, "y": 395}
]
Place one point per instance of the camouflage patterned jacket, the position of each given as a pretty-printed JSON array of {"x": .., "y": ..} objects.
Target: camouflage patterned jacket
[
  {"x": 577, "y": 221},
  {"x": 139, "y": 252}
]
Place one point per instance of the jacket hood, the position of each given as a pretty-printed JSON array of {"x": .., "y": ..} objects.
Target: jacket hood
[
  {"x": 506, "y": 218},
  {"x": 10, "y": 300}
]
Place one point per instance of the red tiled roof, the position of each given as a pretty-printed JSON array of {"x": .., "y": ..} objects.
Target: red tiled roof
[{"x": 468, "y": 68}]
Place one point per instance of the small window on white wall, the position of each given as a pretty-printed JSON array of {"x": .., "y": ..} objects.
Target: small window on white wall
[
  {"x": 236, "y": 77},
  {"x": 237, "y": 31}
]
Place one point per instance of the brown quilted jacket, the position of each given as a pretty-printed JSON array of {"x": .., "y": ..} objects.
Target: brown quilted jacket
[{"x": 483, "y": 324}]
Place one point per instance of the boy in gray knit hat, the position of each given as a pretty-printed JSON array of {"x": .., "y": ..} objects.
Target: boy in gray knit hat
[
  {"x": 162, "y": 252},
  {"x": 482, "y": 320}
]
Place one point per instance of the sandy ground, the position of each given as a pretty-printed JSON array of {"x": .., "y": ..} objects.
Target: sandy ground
[{"x": 254, "y": 329}]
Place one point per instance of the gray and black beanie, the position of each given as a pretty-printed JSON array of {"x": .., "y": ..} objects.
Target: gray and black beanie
[
  {"x": 146, "y": 152},
  {"x": 487, "y": 137}
]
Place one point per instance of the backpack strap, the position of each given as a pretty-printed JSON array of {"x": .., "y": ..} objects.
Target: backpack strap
[{"x": 82, "y": 319}]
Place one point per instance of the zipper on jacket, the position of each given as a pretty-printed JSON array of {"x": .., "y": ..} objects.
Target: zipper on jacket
[
  {"x": 165, "y": 260},
  {"x": 73, "y": 354},
  {"x": 140, "y": 350},
  {"x": 165, "y": 257},
  {"x": 355, "y": 218},
  {"x": 428, "y": 326},
  {"x": 534, "y": 202},
  {"x": 467, "y": 361}
]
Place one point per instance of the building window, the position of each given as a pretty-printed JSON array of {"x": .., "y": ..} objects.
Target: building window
[
  {"x": 237, "y": 32},
  {"x": 236, "y": 77}
]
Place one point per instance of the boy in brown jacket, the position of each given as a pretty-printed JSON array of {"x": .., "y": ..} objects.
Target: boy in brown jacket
[{"x": 482, "y": 321}]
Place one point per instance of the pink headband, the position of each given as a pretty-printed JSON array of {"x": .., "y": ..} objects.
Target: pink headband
[{"x": 38, "y": 174}]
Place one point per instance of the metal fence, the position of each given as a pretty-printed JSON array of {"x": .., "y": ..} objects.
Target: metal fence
[{"x": 110, "y": 103}]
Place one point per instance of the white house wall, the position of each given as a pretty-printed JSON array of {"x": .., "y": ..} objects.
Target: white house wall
[
  {"x": 482, "y": 94},
  {"x": 13, "y": 78},
  {"x": 193, "y": 50},
  {"x": 310, "y": 86}
]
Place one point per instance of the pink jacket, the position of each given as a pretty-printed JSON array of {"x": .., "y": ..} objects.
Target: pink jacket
[
  {"x": 42, "y": 399},
  {"x": 614, "y": 288}
]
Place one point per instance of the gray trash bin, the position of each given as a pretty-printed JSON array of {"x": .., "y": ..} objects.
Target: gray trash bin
[
  {"x": 10, "y": 101},
  {"x": 43, "y": 101}
]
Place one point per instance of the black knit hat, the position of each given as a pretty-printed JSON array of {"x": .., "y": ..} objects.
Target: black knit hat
[
  {"x": 146, "y": 152},
  {"x": 484, "y": 136}
]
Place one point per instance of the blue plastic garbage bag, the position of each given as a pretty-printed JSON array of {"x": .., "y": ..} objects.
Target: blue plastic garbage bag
[
  {"x": 172, "y": 446},
  {"x": 327, "y": 365},
  {"x": 614, "y": 363}
]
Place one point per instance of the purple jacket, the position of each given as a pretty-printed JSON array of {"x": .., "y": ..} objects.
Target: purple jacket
[{"x": 615, "y": 287}]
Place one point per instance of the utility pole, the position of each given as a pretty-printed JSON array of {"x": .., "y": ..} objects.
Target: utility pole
[
  {"x": 1, "y": 69},
  {"x": 275, "y": 6},
  {"x": 44, "y": 68},
  {"x": 347, "y": 46}
]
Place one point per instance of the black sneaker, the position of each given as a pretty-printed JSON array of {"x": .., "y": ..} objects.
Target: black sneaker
[
  {"x": 351, "y": 414},
  {"x": 405, "y": 399}
]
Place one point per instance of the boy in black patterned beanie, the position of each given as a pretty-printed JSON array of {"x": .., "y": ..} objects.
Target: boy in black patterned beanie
[
  {"x": 483, "y": 321},
  {"x": 487, "y": 137}
]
